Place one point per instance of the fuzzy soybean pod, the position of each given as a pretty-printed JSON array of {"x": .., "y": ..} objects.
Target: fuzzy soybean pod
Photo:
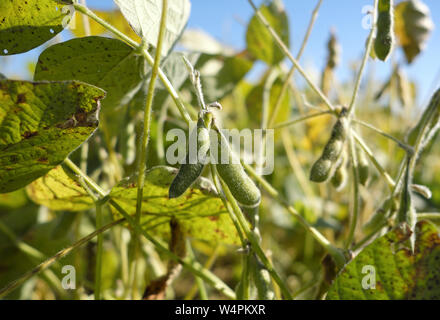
[
  {"x": 363, "y": 167},
  {"x": 339, "y": 178},
  {"x": 231, "y": 171},
  {"x": 383, "y": 43},
  {"x": 262, "y": 280},
  {"x": 189, "y": 172},
  {"x": 322, "y": 168}
]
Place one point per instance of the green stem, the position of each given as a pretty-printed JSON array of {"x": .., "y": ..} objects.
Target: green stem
[
  {"x": 146, "y": 132},
  {"x": 187, "y": 263},
  {"x": 356, "y": 195},
  {"x": 86, "y": 11},
  {"x": 99, "y": 251},
  {"x": 369, "y": 153},
  {"x": 364, "y": 61},
  {"x": 61, "y": 254},
  {"x": 401, "y": 144},
  {"x": 337, "y": 255},
  {"x": 292, "y": 69},
  {"x": 253, "y": 240},
  {"x": 166, "y": 82},
  {"x": 430, "y": 215},
  {"x": 291, "y": 57},
  {"x": 202, "y": 289},
  {"x": 298, "y": 120}
]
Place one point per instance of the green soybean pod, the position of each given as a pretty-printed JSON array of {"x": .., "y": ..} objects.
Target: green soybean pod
[
  {"x": 383, "y": 43},
  {"x": 339, "y": 178},
  {"x": 262, "y": 280},
  {"x": 231, "y": 171},
  {"x": 363, "y": 167},
  {"x": 322, "y": 168},
  {"x": 189, "y": 172}
]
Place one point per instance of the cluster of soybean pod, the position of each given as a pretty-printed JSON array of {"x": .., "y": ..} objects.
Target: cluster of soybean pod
[
  {"x": 332, "y": 163},
  {"x": 230, "y": 170}
]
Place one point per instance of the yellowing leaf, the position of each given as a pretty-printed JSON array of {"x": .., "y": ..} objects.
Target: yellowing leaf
[
  {"x": 199, "y": 211},
  {"x": 57, "y": 191},
  {"x": 395, "y": 272},
  {"x": 413, "y": 27},
  {"x": 41, "y": 123}
]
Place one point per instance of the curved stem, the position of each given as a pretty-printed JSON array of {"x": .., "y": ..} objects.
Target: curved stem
[
  {"x": 292, "y": 69},
  {"x": 356, "y": 195},
  {"x": 332, "y": 250},
  {"x": 401, "y": 144},
  {"x": 253, "y": 240},
  {"x": 99, "y": 251},
  {"x": 61, "y": 254},
  {"x": 166, "y": 82},
  {"x": 364, "y": 60},
  {"x": 300, "y": 119},
  {"x": 369, "y": 153},
  {"x": 146, "y": 134},
  {"x": 290, "y": 56},
  {"x": 187, "y": 263}
]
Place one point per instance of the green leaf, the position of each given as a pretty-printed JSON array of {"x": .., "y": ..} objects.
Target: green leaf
[
  {"x": 199, "y": 211},
  {"x": 255, "y": 97},
  {"x": 25, "y": 25},
  {"x": 2, "y": 76},
  {"x": 260, "y": 42},
  {"x": 57, "y": 191},
  {"x": 106, "y": 63},
  {"x": 413, "y": 27},
  {"x": 144, "y": 17},
  {"x": 399, "y": 273},
  {"x": 41, "y": 123}
]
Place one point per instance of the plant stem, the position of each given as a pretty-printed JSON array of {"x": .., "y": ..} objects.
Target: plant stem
[
  {"x": 253, "y": 240},
  {"x": 208, "y": 265},
  {"x": 292, "y": 69},
  {"x": 430, "y": 215},
  {"x": 86, "y": 11},
  {"x": 166, "y": 82},
  {"x": 199, "y": 281},
  {"x": 189, "y": 264},
  {"x": 401, "y": 144},
  {"x": 364, "y": 61},
  {"x": 369, "y": 153},
  {"x": 295, "y": 164},
  {"x": 332, "y": 250},
  {"x": 290, "y": 56},
  {"x": 61, "y": 254},
  {"x": 146, "y": 133},
  {"x": 298, "y": 120},
  {"x": 99, "y": 251},
  {"x": 356, "y": 195}
]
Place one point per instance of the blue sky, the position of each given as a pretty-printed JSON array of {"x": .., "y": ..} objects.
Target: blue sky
[{"x": 226, "y": 21}]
